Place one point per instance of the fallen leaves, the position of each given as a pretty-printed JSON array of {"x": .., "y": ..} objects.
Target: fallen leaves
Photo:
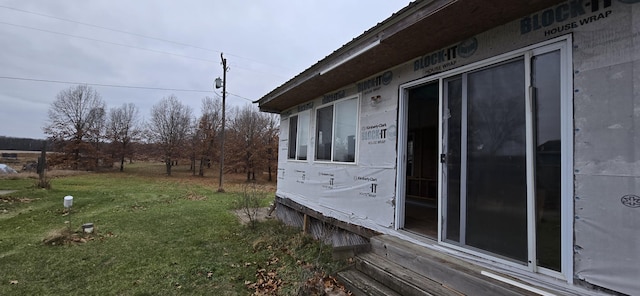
[
  {"x": 10, "y": 199},
  {"x": 138, "y": 208},
  {"x": 194, "y": 196},
  {"x": 321, "y": 285},
  {"x": 267, "y": 282},
  {"x": 273, "y": 261}
]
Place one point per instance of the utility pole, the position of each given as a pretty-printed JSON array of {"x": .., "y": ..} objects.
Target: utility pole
[{"x": 224, "y": 95}]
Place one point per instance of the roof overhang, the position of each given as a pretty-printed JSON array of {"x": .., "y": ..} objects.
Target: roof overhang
[{"x": 422, "y": 27}]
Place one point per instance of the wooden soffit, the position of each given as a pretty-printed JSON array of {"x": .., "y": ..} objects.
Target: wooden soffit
[{"x": 422, "y": 27}]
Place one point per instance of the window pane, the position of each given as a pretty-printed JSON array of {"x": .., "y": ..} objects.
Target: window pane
[
  {"x": 344, "y": 144},
  {"x": 453, "y": 129},
  {"x": 293, "y": 132},
  {"x": 496, "y": 218},
  {"x": 303, "y": 135},
  {"x": 546, "y": 80},
  {"x": 324, "y": 124}
]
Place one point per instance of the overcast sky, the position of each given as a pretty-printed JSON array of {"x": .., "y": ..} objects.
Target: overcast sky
[{"x": 172, "y": 45}]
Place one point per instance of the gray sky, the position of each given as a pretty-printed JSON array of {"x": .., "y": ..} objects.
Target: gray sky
[{"x": 265, "y": 43}]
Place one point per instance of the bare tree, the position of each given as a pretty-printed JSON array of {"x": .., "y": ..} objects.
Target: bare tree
[
  {"x": 248, "y": 132},
  {"x": 123, "y": 128},
  {"x": 270, "y": 143},
  {"x": 169, "y": 127},
  {"x": 96, "y": 132},
  {"x": 75, "y": 118},
  {"x": 194, "y": 145},
  {"x": 207, "y": 130}
]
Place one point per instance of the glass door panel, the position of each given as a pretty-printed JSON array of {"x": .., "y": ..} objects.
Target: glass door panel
[
  {"x": 496, "y": 161},
  {"x": 453, "y": 131},
  {"x": 545, "y": 79},
  {"x": 501, "y": 163}
]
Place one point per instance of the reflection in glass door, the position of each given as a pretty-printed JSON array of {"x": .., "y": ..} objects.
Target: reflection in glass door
[
  {"x": 496, "y": 161},
  {"x": 492, "y": 173},
  {"x": 501, "y": 157}
]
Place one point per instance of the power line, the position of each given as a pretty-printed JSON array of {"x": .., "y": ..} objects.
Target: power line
[
  {"x": 108, "y": 29},
  {"x": 124, "y": 45},
  {"x": 108, "y": 42},
  {"x": 234, "y": 96},
  {"x": 106, "y": 85},
  {"x": 130, "y": 46},
  {"x": 121, "y": 86},
  {"x": 240, "y": 97},
  {"x": 133, "y": 34}
]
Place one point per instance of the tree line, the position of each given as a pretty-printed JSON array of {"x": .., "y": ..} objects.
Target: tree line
[
  {"x": 22, "y": 144},
  {"x": 88, "y": 136}
]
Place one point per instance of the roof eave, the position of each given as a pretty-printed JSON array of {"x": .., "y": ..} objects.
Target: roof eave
[{"x": 396, "y": 43}]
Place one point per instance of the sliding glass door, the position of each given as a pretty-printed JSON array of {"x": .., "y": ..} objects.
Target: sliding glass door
[
  {"x": 501, "y": 155},
  {"x": 494, "y": 162}
]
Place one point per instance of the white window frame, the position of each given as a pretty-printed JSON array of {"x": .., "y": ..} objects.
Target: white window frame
[
  {"x": 333, "y": 131},
  {"x": 298, "y": 136}
]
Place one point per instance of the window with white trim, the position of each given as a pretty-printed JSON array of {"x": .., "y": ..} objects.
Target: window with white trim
[
  {"x": 336, "y": 127},
  {"x": 299, "y": 136}
]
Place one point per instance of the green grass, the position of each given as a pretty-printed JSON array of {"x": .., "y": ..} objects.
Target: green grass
[{"x": 152, "y": 238}]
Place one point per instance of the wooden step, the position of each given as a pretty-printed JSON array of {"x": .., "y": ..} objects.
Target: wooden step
[
  {"x": 446, "y": 270},
  {"x": 361, "y": 284},
  {"x": 399, "y": 278}
]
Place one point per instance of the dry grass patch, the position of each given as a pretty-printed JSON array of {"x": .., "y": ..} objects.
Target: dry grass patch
[
  {"x": 10, "y": 199},
  {"x": 50, "y": 174},
  {"x": 65, "y": 236},
  {"x": 194, "y": 196},
  {"x": 62, "y": 236}
]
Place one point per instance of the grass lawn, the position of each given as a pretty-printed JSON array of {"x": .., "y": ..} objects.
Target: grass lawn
[{"x": 154, "y": 235}]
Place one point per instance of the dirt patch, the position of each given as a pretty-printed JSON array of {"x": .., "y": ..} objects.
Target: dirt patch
[
  {"x": 65, "y": 236},
  {"x": 261, "y": 215},
  {"x": 3, "y": 192}
]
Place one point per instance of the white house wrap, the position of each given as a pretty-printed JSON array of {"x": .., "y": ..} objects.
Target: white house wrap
[{"x": 513, "y": 140}]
